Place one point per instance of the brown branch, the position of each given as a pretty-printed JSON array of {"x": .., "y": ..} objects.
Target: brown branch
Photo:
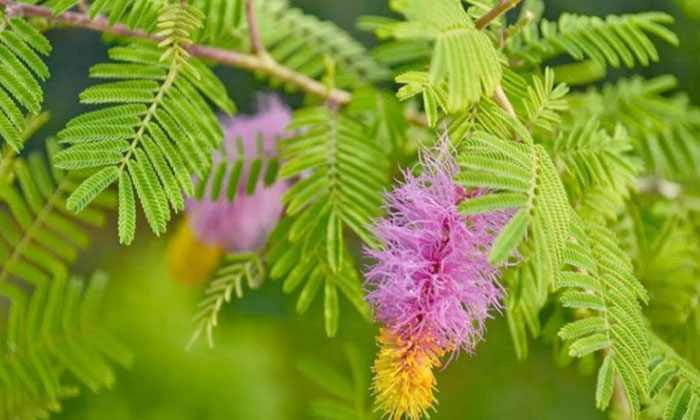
[
  {"x": 255, "y": 42},
  {"x": 502, "y": 7},
  {"x": 253, "y": 62},
  {"x": 258, "y": 63}
]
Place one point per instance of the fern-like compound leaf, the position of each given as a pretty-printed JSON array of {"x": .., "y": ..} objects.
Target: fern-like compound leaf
[
  {"x": 662, "y": 125},
  {"x": 302, "y": 43},
  {"x": 157, "y": 131},
  {"x": 464, "y": 64},
  {"x": 235, "y": 270},
  {"x": 614, "y": 41},
  {"x": 543, "y": 102},
  {"x": 522, "y": 177},
  {"x": 675, "y": 383},
  {"x": 135, "y": 14},
  {"x": 612, "y": 295},
  {"x": 592, "y": 159},
  {"x": 49, "y": 335},
  {"x": 346, "y": 172},
  {"x": 39, "y": 237},
  {"x": 21, "y": 48}
]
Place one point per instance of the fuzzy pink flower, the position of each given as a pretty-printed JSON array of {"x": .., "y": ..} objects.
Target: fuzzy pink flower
[
  {"x": 432, "y": 277},
  {"x": 245, "y": 223}
]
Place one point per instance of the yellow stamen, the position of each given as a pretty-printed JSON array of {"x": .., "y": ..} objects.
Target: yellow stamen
[
  {"x": 403, "y": 375},
  {"x": 189, "y": 261}
]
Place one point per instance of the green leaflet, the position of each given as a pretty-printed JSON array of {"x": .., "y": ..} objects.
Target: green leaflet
[
  {"x": 225, "y": 177},
  {"x": 510, "y": 237},
  {"x": 662, "y": 238},
  {"x": 136, "y": 14},
  {"x": 465, "y": 60},
  {"x": 597, "y": 168},
  {"x": 662, "y": 125},
  {"x": 675, "y": 383},
  {"x": 222, "y": 18}
]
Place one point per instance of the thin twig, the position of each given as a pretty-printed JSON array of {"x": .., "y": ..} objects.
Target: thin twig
[
  {"x": 83, "y": 7},
  {"x": 502, "y": 7},
  {"x": 255, "y": 42},
  {"x": 263, "y": 64},
  {"x": 499, "y": 96}
]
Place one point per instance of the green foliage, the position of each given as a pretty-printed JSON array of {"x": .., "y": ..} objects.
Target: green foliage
[
  {"x": 226, "y": 178},
  {"x": 39, "y": 238},
  {"x": 222, "y": 19},
  {"x": 543, "y": 102},
  {"x": 159, "y": 134},
  {"x": 674, "y": 384},
  {"x": 664, "y": 127},
  {"x": 662, "y": 236},
  {"x": 303, "y": 42},
  {"x": 141, "y": 14},
  {"x": 521, "y": 177},
  {"x": 601, "y": 288},
  {"x": 299, "y": 262},
  {"x": 464, "y": 66},
  {"x": 234, "y": 270},
  {"x": 50, "y": 340},
  {"x": 346, "y": 173},
  {"x": 135, "y": 14},
  {"x": 592, "y": 158},
  {"x": 540, "y": 104},
  {"x": 565, "y": 166},
  {"x": 21, "y": 48},
  {"x": 614, "y": 41},
  {"x": 384, "y": 115},
  {"x": 346, "y": 397}
]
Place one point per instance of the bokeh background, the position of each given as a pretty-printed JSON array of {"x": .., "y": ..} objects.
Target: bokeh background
[{"x": 252, "y": 372}]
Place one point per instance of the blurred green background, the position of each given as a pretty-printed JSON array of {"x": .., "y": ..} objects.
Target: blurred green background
[{"x": 252, "y": 372}]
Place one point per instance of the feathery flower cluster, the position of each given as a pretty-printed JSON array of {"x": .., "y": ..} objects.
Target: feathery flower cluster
[
  {"x": 210, "y": 227},
  {"x": 432, "y": 286}
]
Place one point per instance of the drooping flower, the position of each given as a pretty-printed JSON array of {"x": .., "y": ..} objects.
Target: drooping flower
[
  {"x": 213, "y": 227},
  {"x": 431, "y": 287}
]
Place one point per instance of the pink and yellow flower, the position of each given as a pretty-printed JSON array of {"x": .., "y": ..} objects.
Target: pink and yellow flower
[{"x": 431, "y": 286}]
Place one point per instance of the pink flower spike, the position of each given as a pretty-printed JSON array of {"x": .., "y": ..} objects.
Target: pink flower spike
[{"x": 432, "y": 277}]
